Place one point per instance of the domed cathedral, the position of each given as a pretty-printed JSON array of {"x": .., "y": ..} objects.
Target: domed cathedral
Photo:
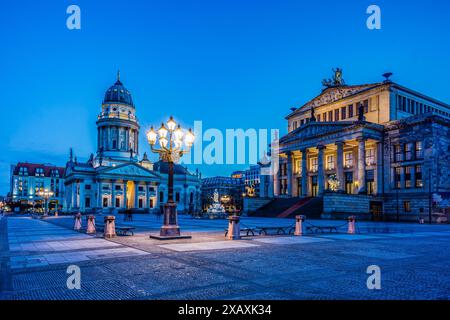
[{"x": 116, "y": 179}]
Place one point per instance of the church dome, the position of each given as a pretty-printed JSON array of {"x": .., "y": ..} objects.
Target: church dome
[{"x": 117, "y": 93}]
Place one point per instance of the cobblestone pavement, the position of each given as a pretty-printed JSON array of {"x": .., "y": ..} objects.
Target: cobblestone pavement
[{"x": 35, "y": 254}]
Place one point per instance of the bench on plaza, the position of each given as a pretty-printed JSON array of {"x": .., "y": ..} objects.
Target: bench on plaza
[
  {"x": 322, "y": 229},
  {"x": 120, "y": 230},
  {"x": 247, "y": 232},
  {"x": 278, "y": 230}
]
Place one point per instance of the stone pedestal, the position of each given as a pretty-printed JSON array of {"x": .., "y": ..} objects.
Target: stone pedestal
[
  {"x": 351, "y": 225},
  {"x": 170, "y": 229},
  {"x": 77, "y": 224},
  {"x": 299, "y": 225},
  {"x": 110, "y": 227},
  {"x": 234, "y": 228},
  {"x": 91, "y": 225}
]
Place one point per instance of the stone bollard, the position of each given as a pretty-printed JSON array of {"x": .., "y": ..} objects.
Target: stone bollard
[
  {"x": 77, "y": 225},
  {"x": 234, "y": 229},
  {"x": 299, "y": 225},
  {"x": 91, "y": 225},
  {"x": 351, "y": 225},
  {"x": 110, "y": 227}
]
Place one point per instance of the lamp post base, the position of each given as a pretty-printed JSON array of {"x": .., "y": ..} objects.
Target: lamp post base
[{"x": 170, "y": 229}]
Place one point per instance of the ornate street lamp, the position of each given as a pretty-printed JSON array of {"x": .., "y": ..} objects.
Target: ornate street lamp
[
  {"x": 174, "y": 143},
  {"x": 46, "y": 194}
]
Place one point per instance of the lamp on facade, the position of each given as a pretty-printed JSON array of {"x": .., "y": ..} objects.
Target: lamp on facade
[
  {"x": 173, "y": 144},
  {"x": 45, "y": 194}
]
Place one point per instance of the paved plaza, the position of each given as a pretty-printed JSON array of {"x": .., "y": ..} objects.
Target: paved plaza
[{"x": 35, "y": 255}]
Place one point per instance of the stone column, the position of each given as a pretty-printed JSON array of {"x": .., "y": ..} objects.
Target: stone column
[
  {"x": 304, "y": 172},
  {"x": 81, "y": 198},
  {"x": 125, "y": 190},
  {"x": 340, "y": 165},
  {"x": 136, "y": 194},
  {"x": 99, "y": 193},
  {"x": 276, "y": 180},
  {"x": 362, "y": 165},
  {"x": 320, "y": 170},
  {"x": 379, "y": 170},
  {"x": 73, "y": 191},
  {"x": 289, "y": 174},
  {"x": 113, "y": 194},
  {"x": 147, "y": 197}
]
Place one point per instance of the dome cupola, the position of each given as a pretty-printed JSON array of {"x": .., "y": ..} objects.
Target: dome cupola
[{"x": 117, "y": 93}]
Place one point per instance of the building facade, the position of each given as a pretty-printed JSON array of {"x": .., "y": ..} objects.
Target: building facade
[
  {"x": 28, "y": 180},
  {"x": 231, "y": 191},
  {"x": 116, "y": 179},
  {"x": 376, "y": 149}
]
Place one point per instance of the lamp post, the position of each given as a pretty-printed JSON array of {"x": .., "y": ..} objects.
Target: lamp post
[
  {"x": 46, "y": 194},
  {"x": 174, "y": 143}
]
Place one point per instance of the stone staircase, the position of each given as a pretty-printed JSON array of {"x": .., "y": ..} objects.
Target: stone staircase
[{"x": 290, "y": 207}]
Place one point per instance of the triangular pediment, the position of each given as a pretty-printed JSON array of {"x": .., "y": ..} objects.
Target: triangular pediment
[
  {"x": 334, "y": 94},
  {"x": 129, "y": 169},
  {"x": 314, "y": 129}
]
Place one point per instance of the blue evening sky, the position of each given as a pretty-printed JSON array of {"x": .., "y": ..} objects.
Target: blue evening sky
[{"x": 229, "y": 63}]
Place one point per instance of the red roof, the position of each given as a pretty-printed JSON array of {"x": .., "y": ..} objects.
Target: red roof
[{"x": 32, "y": 167}]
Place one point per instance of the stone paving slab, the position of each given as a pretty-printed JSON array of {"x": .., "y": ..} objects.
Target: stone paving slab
[
  {"x": 213, "y": 245},
  {"x": 351, "y": 236},
  {"x": 290, "y": 240}
]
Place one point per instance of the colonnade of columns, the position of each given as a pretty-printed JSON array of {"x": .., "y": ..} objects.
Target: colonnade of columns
[{"x": 359, "y": 169}]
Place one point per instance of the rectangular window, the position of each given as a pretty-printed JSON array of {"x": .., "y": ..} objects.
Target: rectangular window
[
  {"x": 87, "y": 202},
  {"x": 314, "y": 164},
  {"x": 343, "y": 113},
  {"x": 141, "y": 188},
  {"x": 118, "y": 187},
  {"x": 397, "y": 153},
  {"x": 348, "y": 159},
  {"x": 105, "y": 202},
  {"x": 408, "y": 151},
  {"x": 366, "y": 106},
  {"x": 336, "y": 115},
  {"x": 140, "y": 203},
  {"x": 330, "y": 116},
  {"x": 117, "y": 202},
  {"x": 350, "y": 111},
  {"x": 87, "y": 187},
  {"x": 419, "y": 150},
  {"x": 407, "y": 206},
  {"x": 397, "y": 177},
  {"x": 419, "y": 181},
  {"x": 152, "y": 204},
  {"x": 325, "y": 117},
  {"x": 370, "y": 157},
  {"x": 408, "y": 183},
  {"x": 330, "y": 162},
  {"x": 318, "y": 118}
]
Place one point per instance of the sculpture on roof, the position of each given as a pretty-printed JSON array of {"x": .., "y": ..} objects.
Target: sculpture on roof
[{"x": 336, "y": 81}]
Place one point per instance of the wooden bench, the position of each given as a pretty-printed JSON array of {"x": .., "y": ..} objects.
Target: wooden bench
[{"x": 322, "y": 229}]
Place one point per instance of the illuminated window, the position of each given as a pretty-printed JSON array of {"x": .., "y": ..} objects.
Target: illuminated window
[
  {"x": 314, "y": 164},
  {"x": 370, "y": 157},
  {"x": 408, "y": 151},
  {"x": 408, "y": 182},
  {"x": 407, "y": 206},
  {"x": 348, "y": 159},
  {"x": 397, "y": 178},
  {"x": 330, "y": 162},
  {"x": 419, "y": 150},
  {"x": 397, "y": 153},
  {"x": 419, "y": 182}
]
